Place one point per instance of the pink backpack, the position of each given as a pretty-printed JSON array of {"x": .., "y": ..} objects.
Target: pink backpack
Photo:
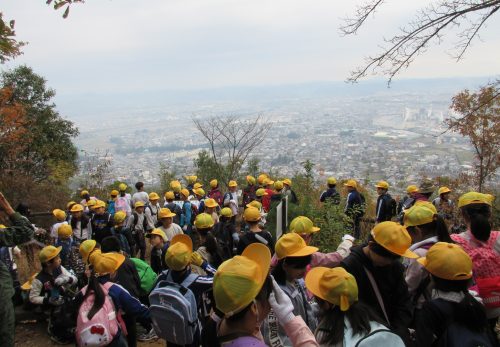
[
  {"x": 123, "y": 204},
  {"x": 104, "y": 325},
  {"x": 486, "y": 265}
]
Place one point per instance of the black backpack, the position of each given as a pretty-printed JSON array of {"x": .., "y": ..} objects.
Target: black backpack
[
  {"x": 457, "y": 334},
  {"x": 361, "y": 207},
  {"x": 391, "y": 205}
]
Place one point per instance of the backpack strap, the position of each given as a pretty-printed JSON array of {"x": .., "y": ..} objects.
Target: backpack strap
[
  {"x": 189, "y": 280},
  {"x": 373, "y": 333},
  {"x": 377, "y": 293},
  {"x": 422, "y": 290}
]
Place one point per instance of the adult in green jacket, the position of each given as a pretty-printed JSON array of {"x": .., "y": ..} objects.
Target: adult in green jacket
[{"x": 21, "y": 231}]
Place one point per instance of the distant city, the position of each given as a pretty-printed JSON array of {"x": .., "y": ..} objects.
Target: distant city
[{"x": 379, "y": 134}]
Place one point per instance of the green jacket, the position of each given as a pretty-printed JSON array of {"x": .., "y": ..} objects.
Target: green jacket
[{"x": 21, "y": 231}]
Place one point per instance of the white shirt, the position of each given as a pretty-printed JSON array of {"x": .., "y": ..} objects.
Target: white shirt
[
  {"x": 172, "y": 230},
  {"x": 53, "y": 229}
]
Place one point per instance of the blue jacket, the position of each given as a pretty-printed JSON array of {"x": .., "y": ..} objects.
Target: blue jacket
[{"x": 186, "y": 214}]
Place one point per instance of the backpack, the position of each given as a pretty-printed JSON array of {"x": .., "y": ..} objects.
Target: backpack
[
  {"x": 194, "y": 212},
  {"x": 104, "y": 325},
  {"x": 136, "y": 219},
  {"x": 173, "y": 207},
  {"x": 122, "y": 204},
  {"x": 146, "y": 274},
  {"x": 174, "y": 310},
  {"x": 391, "y": 205},
  {"x": 456, "y": 334},
  {"x": 124, "y": 246}
]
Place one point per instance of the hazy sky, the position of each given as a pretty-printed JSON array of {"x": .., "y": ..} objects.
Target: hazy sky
[{"x": 128, "y": 45}]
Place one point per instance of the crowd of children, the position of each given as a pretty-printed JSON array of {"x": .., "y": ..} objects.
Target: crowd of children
[{"x": 207, "y": 281}]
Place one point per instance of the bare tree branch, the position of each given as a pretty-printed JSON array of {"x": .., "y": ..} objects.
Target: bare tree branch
[{"x": 467, "y": 16}]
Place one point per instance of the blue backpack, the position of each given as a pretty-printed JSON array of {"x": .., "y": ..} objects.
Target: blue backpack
[{"x": 174, "y": 311}]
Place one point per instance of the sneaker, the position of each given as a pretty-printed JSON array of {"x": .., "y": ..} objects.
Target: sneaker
[{"x": 151, "y": 335}]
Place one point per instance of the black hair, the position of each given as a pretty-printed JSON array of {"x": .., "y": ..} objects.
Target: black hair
[
  {"x": 23, "y": 209},
  {"x": 427, "y": 195},
  {"x": 468, "y": 312},
  {"x": 331, "y": 185},
  {"x": 139, "y": 185},
  {"x": 437, "y": 228},
  {"x": 380, "y": 250},
  {"x": 209, "y": 336},
  {"x": 94, "y": 287},
  {"x": 110, "y": 244},
  {"x": 278, "y": 271},
  {"x": 331, "y": 324},
  {"x": 479, "y": 217},
  {"x": 211, "y": 246}
]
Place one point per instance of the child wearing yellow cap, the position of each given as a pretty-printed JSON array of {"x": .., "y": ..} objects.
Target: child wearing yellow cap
[
  {"x": 344, "y": 321},
  {"x": 244, "y": 294},
  {"x": 481, "y": 243},
  {"x": 123, "y": 233},
  {"x": 256, "y": 233},
  {"x": 65, "y": 240},
  {"x": 444, "y": 205},
  {"x": 377, "y": 268},
  {"x": 159, "y": 245},
  {"x": 60, "y": 218},
  {"x": 139, "y": 227},
  {"x": 215, "y": 192},
  {"x": 100, "y": 285},
  {"x": 174, "y": 206},
  {"x": 211, "y": 207},
  {"x": 101, "y": 222},
  {"x": 179, "y": 257},
  {"x": 249, "y": 190},
  {"x": 168, "y": 226},
  {"x": 48, "y": 287},
  {"x": 209, "y": 247},
  {"x": 453, "y": 317},
  {"x": 226, "y": 234},
  {"x": 294, "y": 256},
  {"x": 426, "y": 227}
]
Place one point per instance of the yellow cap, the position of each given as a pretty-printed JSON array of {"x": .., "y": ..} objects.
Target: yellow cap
[
  {"x": 351, "y": 183},
  {"x": 199, "y": 191},
  {"x": 70, "y": 204},
  {"x": 169, "y": 195},
  {"x": 120, "y": 216},
  {"x": 165, "y": 213},
  {"x": 83, "y": 193},
  {"x": 239, "y": 280},
  {"x": 287, "y": 182},
  {"x": 336, "y": 286},
  {"x": 139, "y": 204},
  {"x": 475, "y": 198},
  {"x": 178, "y": 255},
  {"x": 269, "y": 182},
  {"x": 99, "y": 204},
  {"x": 114, "y": 192},
  {"x": 122, "y": 187},
  {"x": 91, "y": 203},
  {"x": 158, "y": 232},
  {"x": 443, "y": 190},
  {"x": 232, "y": 184},
  {"x": 191, "y": 179},
  {"x": 292, "y": 245},
  {"x": 261, "y": 178},
  {"x": 27, "y": 285},
  {"x": 411, "y": 189},
  {"x": 331, "y": 180},
  {"x": 197, "y": 185},
  {"x": 393, "y": 237},
  {"x": 59, "y": 214},
  {"x": 204, "y": 221},
  {"x": 211, "y": 203},
  {"x": 255, "y": 204},
  {"x": 185, "y": 192},
  {"x": 2, "y": 226},
  {"x": 106, "y": 263},
  {"x": 48, "y": 252},
  {"x": 261, "y": 192},
  {"x": 382, "y": 184},
  {"x": 214, "y": 183},
  {"x": 154, "y": 196},
  {"x": 76, "y": 208},
  {"x": 278, "y": 185},
  {"x": 420, "y": 214},
  {"x": 447, "y": 261},
  {"x": 250, "y": 180},
  {"x": 226, "y": 212},
  {"x": 64, "y": 231},
  {"x": 251, "y": 214},
  {"x": 174, "y": 184},
  {"x": 302, "y": 225},
  {"x": 87, "y": 247}
]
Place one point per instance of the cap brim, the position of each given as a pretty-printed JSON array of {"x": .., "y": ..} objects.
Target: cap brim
[
  {"x": 312, "y": 280},
  {"x": 182, "y": 238},
  {"x": 314, "y": 230},
  {"x": 261, "y": 255},
  {"x": 308, "y": 250},
  {"x": 410, "y": 254},
  {"x": 422, "y": 261}
]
